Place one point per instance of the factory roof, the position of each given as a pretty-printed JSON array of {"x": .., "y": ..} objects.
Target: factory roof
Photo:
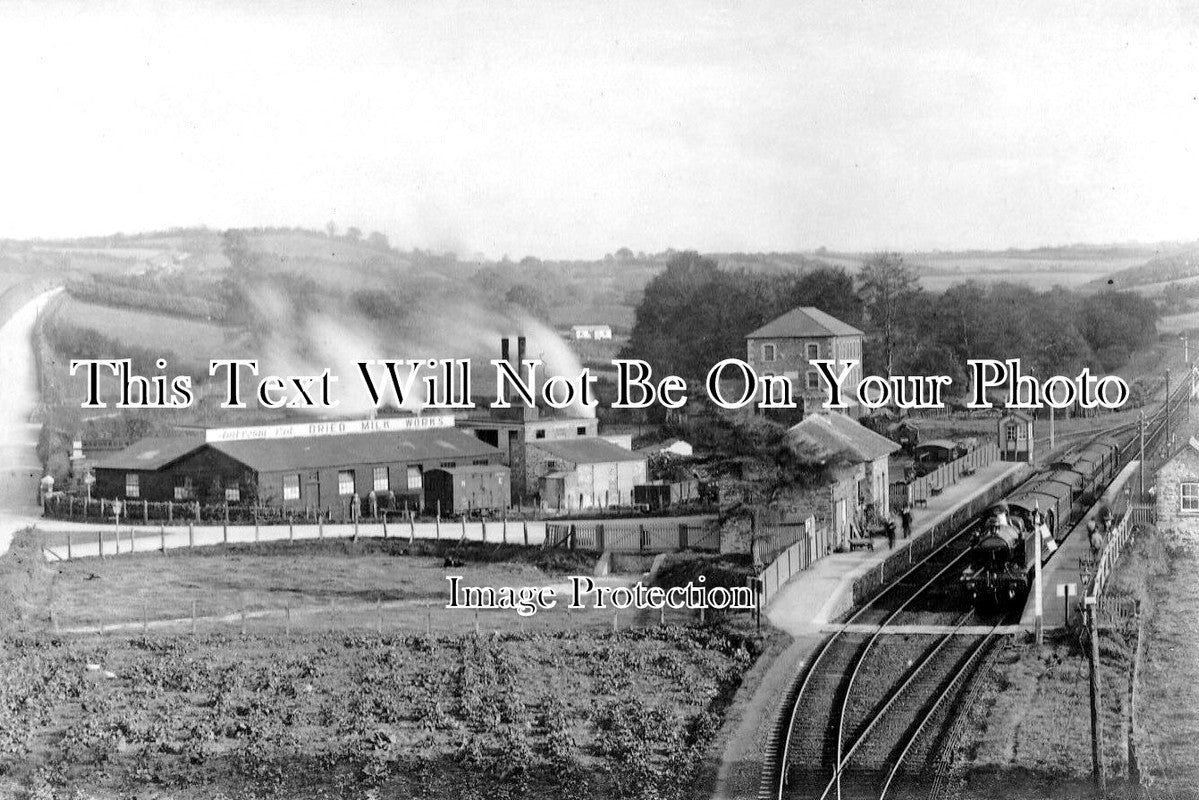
[
  {"x": 833, "y": 434},
  {"x": 151, "y": 453},
  {"x": 587, "y": 450},
  {"x": 806, "y": 321},
  {"x": 376, "y": 448}
]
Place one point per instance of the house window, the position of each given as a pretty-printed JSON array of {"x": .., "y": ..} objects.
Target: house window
[
  {"x": 414, "y": 478},
  {"x": 581, "y": 430},
  {"x": 132, "y": 489},
  {"x": 813, "y": 351},
  {"x": 291, "y": 487},
  {"x": 233, "y": 494},
  {"x": 448, "y": 464},
  {"x": 813, "y": 379},
  {"x": 183, "y": 488},
  {"x": 769, "y": 352},
  {"x": 381, "y": 483},
  {"x": 539, "y": 434},
  {"x": 345, "y": 482},
  {"x": 1190, "y": 498},
  {"x": 480, "y": 462}
]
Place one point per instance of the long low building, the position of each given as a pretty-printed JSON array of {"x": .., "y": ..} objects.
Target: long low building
[{"x": 323, "y": 471}]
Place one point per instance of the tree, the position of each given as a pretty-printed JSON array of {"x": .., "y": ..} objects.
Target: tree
[
  {"x": 331, "y": 228},
  {"x": 354, "y": 234},
  {"x": 378, "y": 240},
  {"x": 885, "y": 284},
  {"x": 530, "y": 299}
]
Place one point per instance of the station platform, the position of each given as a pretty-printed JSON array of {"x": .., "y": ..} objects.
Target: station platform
[
  {"x": 1062, "y": 571},
  {"x": 815, "y": 597}
]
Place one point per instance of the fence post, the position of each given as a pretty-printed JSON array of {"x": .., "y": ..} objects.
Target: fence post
[
  {"x": 170, "y": 511},
  {"x": 162, "y": 538},
  {"x": 100, "y": 543},
  {"x": 641, "y": 537},
  {"x": 197, "y": 511},
  {"x": 526, "y": 526},
  {"x": 504, "y": 534},
  {"x": 191, "y": 536},
  {"x": 384, "y": 517},
  {"x": 484, "y": 524},
  {"x": 599, "y": 537},
  {"x": 145, "y": 512},
  {"x": 682, "y": 536},
  {"x": 411, "y": 527},
  {"x": 320, "y": 526},
  {"x": 68, "y": 545},
  {"x": 464, "y": 527},
  {"x": 225, "y": 533},
  {"x": 291, "y": 528}
]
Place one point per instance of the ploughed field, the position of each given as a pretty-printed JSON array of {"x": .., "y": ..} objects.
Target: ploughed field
[{"x": 626, "y": 714}]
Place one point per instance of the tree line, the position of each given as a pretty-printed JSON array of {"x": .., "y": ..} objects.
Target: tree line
[{"x": 694, "y": 314}]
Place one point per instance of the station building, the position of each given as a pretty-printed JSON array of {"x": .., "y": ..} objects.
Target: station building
[
  {"x": 859, "y": 461},
  {"x": 292, "y": 467}
]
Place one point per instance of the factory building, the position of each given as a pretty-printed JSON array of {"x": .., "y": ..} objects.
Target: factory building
[
  {"x": 584, "y": 473},
  {"x": 292, "y": 467},
  {"x": 513, "y": 430}
]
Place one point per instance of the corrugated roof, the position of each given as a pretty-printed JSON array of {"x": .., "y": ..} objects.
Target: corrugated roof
[
  {"x": 151, "y": 453},
  {"x": 832, "y": 434},
  {"x": 262, "y": 455},
  {"x": 804, "y": 321},
  {"x": 586, "y": 450}
]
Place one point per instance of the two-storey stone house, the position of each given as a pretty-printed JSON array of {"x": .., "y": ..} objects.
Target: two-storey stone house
[{"x": 787, "y": 345}]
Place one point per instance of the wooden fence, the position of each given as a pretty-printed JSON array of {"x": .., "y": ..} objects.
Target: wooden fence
[
  {"x": 921, "y": 489},
  {"x": 637, "y": 537},
  {"x": 813, "y": 544},
  {"x": 1121, "y": 534}
]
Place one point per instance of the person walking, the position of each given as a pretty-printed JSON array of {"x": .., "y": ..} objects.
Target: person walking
[
  {"x": 906, "y": 516},
  {"x": 890, "y": 533}
]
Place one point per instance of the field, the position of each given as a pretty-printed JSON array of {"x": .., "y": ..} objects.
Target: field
[
  {"x": 348, "y": 696},
  {"x": 339, "y": 715},
  {"x": 144, "y": 329}
]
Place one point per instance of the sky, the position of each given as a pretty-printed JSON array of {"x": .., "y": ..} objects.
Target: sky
[{"x": 567, "y": 130}]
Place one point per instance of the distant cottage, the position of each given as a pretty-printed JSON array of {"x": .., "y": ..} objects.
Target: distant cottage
[
  {"x": 787, "y": 345},
  {"x": 591, "y": 331}
]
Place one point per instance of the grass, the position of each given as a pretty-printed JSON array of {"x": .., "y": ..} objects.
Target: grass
[{"x": 149, "y": 330}]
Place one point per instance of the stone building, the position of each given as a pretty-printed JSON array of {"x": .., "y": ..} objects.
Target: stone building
[
  {"x": 787, "y": 345},
  {"x": 1177, "y": 490}
]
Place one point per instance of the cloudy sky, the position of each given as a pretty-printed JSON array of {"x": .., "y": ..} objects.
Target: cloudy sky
[{"x": 571, "y": 129}]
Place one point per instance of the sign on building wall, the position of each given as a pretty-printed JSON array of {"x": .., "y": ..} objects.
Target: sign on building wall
[{"x": 335, "y": 428}]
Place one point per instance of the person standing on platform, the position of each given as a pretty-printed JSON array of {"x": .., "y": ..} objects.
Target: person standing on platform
[
  {"x": 890, "y": 533},
  {"x": 906, "y": 516}
]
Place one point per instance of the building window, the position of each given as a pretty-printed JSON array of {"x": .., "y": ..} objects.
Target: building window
[
  {"x": 539, "y": 434},
  {"x": 345, "y": 482},
  {"x": 813, "y": 379},
  {"x": 291, "y": 487},
  {"x": 183, "y": 488},
  {"x": 813, "y": 351},
  {"x": 769, "y": 352},
  {"x": 381, "y": 483},
  {"x": 448, "y": 464},
  {"x": 132, "y": 489},
  {"x": 233, "y": 494},
  {"x": 1190, "y": 498},
  {"x": 480, "y": 462},
  {"x": 414, "y": 479},
  {"x": 581, "y": 430}
]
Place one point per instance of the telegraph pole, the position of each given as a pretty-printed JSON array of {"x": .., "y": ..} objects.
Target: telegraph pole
[
  {"x": 1166, "y": 442},
  {"x": 1141, "y": 427}
]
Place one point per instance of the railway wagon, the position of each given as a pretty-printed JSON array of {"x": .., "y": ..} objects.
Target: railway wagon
[
  {"x": 1000, "y": 563},
  {"x": 656, "y": 496},
  {"x": 1052, "y": 498},
  {"x": 467, "y": 489}
]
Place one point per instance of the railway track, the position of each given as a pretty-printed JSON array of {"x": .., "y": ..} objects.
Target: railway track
[{"x": 869, "y": 735}]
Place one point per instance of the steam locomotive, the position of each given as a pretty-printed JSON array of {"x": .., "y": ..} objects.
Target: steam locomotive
[{"x": 1004, "y": 550}]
